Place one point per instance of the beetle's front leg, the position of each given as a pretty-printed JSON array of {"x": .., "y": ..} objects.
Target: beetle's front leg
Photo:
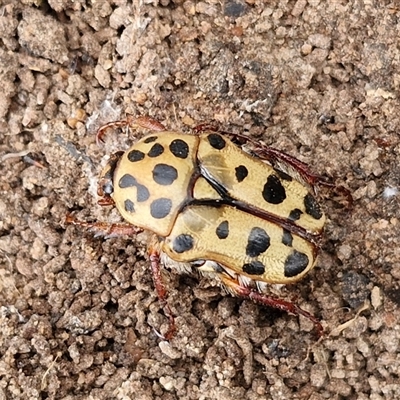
[
  {"x": 234, "y": 286},
  {"x": 104, "y": 228},
  {"x": 145, "y": 122},
  {"x": 154, "y": 255}
]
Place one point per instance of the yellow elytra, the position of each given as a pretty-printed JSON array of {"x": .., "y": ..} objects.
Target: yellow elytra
[{"x": 208, "y": 200}]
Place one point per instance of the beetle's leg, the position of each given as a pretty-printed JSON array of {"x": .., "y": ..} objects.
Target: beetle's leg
[
  {"x": 104, "y": 228},
  {"x": 284, "y": 161},
  {"x": 206, "y": 127},
  {"x": 145, "y": 122},
  {"x": 234, "y": 286},
  {"x": 106, "y": 200},
  {"x": 281, "y": 160},
  {"x": 154, "y": 255},
  {"x": 292, "y": 166}
]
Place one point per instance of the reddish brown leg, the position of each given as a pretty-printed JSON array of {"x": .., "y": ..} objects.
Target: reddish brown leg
[
  {"x": 105, "y": 199},
  {"x": 132, "y": 122},
  {"x": 206, "y": 127},
  {"x": 248, "y": 293},
  {"x": 161, "y": 290},
  {"x": 277, "y": 157},
  {"x": 104, "y": 228},
  {"x": 280, "y": 157}
]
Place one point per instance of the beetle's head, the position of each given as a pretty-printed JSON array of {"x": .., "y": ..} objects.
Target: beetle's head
[{"x": 105, "y": 185}]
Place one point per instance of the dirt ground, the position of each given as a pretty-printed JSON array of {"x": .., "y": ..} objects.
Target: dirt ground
[{"x": 319, "y": 80}]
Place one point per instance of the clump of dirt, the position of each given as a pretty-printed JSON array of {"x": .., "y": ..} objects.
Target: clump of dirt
[{"x": 318, "y": 80}]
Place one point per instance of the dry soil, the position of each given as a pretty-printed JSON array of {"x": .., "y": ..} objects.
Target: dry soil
[{"x": 317, "y": 79}]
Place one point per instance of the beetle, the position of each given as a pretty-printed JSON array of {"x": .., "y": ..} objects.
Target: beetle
[{"x": 246, "y": 217}]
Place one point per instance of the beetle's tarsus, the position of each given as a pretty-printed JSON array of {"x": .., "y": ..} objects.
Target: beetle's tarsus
[
  {"x": 145, "y": 122},
  {"x": 234, "y": 287}
]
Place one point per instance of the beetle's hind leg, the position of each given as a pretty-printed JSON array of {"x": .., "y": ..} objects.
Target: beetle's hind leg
[
  {"x": 280, "y": 160},
  {"x": 234, "y": 286},
  {"x": 154, "y": 255}
]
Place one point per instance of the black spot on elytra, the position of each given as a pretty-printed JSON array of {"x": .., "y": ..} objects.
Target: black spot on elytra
[
  {"x": 129, "y": 206},
  {"x": 283, "y": 175},
  {"x": 182, "y": 243},
  {"x": 295, "y": 214},
  {"x": 241, "y": 173},
  {"x": 295, "y": 264},
  {"x": 179, "y": 148},
  {"x": 128, "y": 180},
  {"x": 150, "y": 139},
  {"x": 257, "y": 242},
  {"x": 135, "y": 155},
  {"x": 164, "y": 174},
  {"x": 254, "y": 268},
  {"x": 312, "y": 207},
  {"x": 222, "y": 230},
  {"x": 287, "y": 238},
  {"x": 156, "y": 150},
  {"x": 160, "y": 208},
  {"x": 142, "y": 193},
  {"x": 274, "y": 192},
  {"x": 216, "y": 141}
]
